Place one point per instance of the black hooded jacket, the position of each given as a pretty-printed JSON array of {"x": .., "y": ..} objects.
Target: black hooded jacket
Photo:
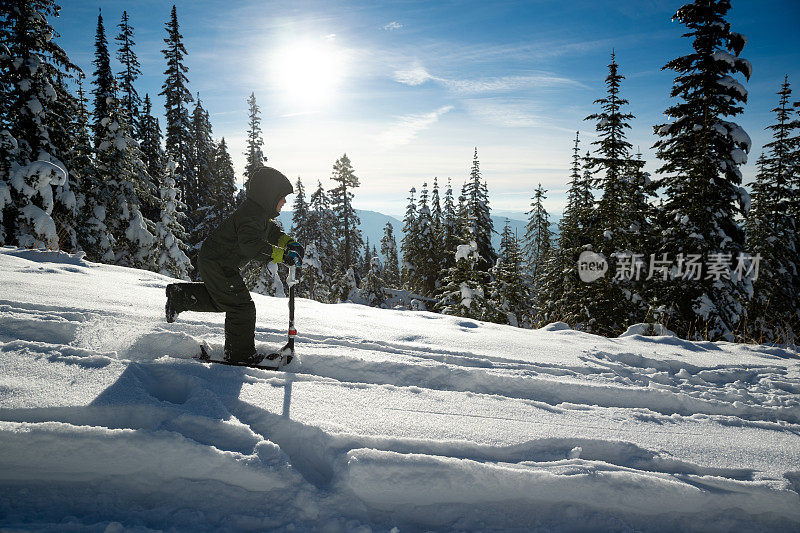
[{"x": 249, "y": 232}]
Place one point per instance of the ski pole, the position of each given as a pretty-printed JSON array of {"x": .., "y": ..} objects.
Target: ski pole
[{"x": 291, "y": 280}]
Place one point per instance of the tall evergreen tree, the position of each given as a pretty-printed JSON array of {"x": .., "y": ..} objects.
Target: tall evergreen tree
[
  {"x": 365, "y": 262},
  {"x": 702, "y": 153},
  {"x": 223, "y": 189},
  {"x": 178, "y": 129},
  {"x": 611, "y": 161},
  {"x": 426, "y": 263},
  {"x": 409, "y": 244},
  {"x": 302, "y": 231},
  {"x": 93, "y": 236},
  {"x": 103, "y": 80},
  {"x": 153, "y": 156},
  {"x": 347, "y": 221},
  {"x": 615, "y": 304},
  {"x": 254, "y": 154},
  {"x": 129, "y": 98},
  {"x": 321, "y": 225},
  {"x": 538, "y": 236},
  {"x": 122, "y": 173},
  {"x": 201, "y": 162},
  {"x": 510, "y": 293},
  {"x": 560, "y": 295},
  {"x": 479, "y": 218},
  {"x": 774, "y": 311},
  {"x": 391, "y": 269},
  {"x": 450, "y": 231}
]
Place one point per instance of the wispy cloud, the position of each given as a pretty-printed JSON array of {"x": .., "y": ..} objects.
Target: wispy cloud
[
  {"x": 503, "y": 113},
  {"x": 407, "y": 127},
  {"x": 394, "y": 25},
  {"x": 508, "y": 83},
  {"x": 417, "y": 74},
  {"x": 414, "y": 75}
]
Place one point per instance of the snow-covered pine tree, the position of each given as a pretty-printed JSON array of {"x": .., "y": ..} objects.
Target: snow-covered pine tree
[
  {"x": 126, "y": 78},
  {"x": 450, "y": 229},
  {"x": 538, "y": 237},
  {"x": 321, "y": 224},
  {"x": 92, "y": 234},
  {"x": 409, "y": 244},
  {"x": 203, "y": 151},
  {"x": 794, "y": 159},
  {"x": 479, "y": 216},
  {"x": 171, "y": 251},
  {"x": 344, "y": 287},
  {"x": 153, "y": 156},
  {"x": 702, "y": 153},
  {"x": 301, "y": 230},
  {"x": 510, "y": 292},
  {"x": 391, "y": 270},
  {"x": 36, "y": 123},
  {"x": 178, "y": 138},
  {"x": 614, "y": 304},
  {"x": 347, "y": 232},
  {"x": 122, "y": 172},
  {"x": 103, "y": 80},
  {"x": 462, "y": 292},
  {"x": 437, "y": 217},
  {"x": 314, "y": 278},
  {"x": 426, "y": 263},
  {"x": 223, "y": 186},
  {"x": 611, "y": 162},
  {"x": 63, "y": 133},
  {"x": 774, "y": 311},
  {"x": 638, "y": 206},
  {"x": 365, "y": 261},
  {"x": 436, "y": 209},
  {"x": 8, "y": 147},
  {"x": 561, "y": 296},
  {"x": 254, "y": 154},
  {"x": 372, "y": 288}
]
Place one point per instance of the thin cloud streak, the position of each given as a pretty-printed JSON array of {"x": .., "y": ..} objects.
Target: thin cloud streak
[
  {"x": 417, "y": 74},
  {"x": 509, "y": 83},
  {"x": 406, "y": 128}
]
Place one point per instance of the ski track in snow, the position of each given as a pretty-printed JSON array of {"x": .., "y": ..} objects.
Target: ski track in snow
[{"x": 387, "y": 419}]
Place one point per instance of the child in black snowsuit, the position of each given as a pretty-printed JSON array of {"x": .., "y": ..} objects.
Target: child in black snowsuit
[{"x": 248, "y": 233}]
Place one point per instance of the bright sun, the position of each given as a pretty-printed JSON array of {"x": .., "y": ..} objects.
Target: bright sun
[{"x": 307, "y": 73}]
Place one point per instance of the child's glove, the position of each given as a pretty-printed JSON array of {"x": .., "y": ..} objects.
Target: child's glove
[
  {"x": 292, "y": 258},
  {"x": 297, "y": 247},
  {"x": 287, "y": 257}
]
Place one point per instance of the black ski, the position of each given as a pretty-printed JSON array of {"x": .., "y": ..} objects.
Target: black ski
[{"x": 204, "y": 357}]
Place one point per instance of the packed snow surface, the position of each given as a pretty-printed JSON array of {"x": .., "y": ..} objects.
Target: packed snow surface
[{"x": 389, "y": 420}]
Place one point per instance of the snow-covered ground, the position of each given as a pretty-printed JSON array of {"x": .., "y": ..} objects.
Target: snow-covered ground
[{"x": 390, "y": 419}]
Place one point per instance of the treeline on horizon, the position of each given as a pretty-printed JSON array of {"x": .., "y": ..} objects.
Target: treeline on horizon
[{"x": 109, "y": 183}]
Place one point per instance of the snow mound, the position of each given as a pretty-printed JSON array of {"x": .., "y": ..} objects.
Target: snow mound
[{"x": 647, "y": 329}]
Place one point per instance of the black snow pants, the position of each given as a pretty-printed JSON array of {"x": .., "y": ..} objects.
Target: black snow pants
[{"x": 222, "y": 290}]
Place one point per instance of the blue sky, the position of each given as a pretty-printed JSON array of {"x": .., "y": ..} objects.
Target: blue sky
[{"x": 409, "y": 88}]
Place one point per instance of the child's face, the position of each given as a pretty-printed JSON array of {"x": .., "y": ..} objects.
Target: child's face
[{"x": 281, "y": 203}]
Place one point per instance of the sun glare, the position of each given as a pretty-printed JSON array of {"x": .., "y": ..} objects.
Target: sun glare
[{"x": 307, "y": 73}]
